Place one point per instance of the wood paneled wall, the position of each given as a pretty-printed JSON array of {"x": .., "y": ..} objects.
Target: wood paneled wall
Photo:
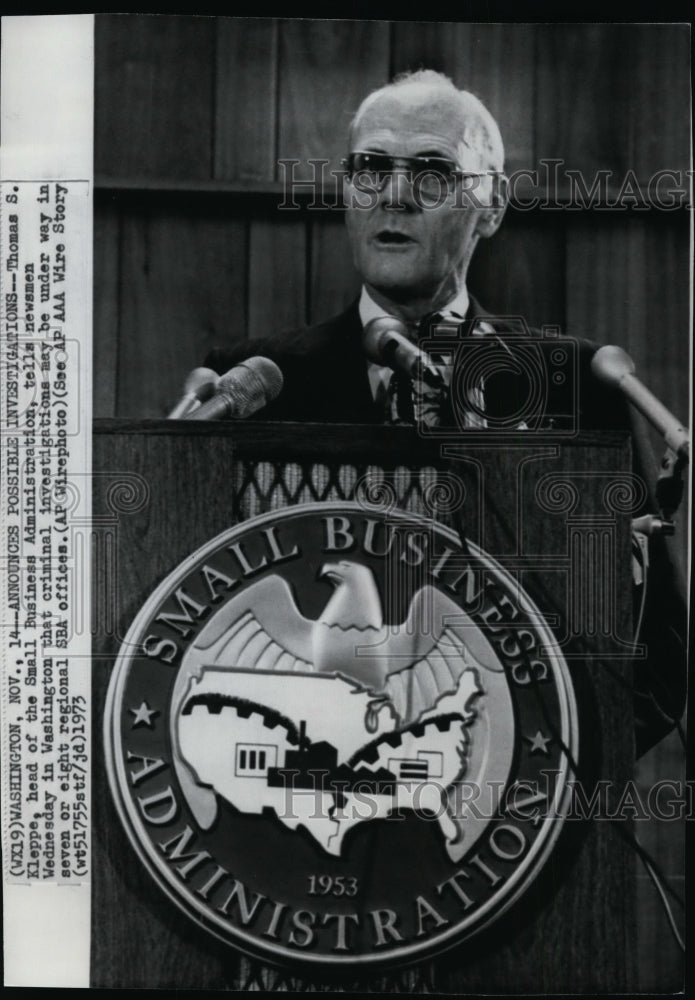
[{"x": 194, "y": 113}]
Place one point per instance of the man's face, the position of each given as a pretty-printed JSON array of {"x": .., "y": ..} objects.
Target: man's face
[{"x": 402, "y": 247}]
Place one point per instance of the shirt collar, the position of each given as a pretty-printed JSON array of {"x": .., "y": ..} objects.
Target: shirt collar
[{"x": 369, "y": 309}]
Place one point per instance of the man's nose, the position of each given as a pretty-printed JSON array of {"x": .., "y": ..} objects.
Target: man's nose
[{"x": 398, "y": 192}]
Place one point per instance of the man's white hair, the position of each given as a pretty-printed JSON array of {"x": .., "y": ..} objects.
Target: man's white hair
[{"x": 482, "y": 131}]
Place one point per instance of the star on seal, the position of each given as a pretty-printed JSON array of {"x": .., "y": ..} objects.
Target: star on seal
[
  {"x": 539, "y": 742},
  {"x": 143, "y": 715}
]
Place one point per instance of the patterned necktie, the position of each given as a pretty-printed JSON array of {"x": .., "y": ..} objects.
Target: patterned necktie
[
  {"x": 412, "y": 401},
  {"x": 407, "y": 401},
  {"x": 431, "y": 405}
]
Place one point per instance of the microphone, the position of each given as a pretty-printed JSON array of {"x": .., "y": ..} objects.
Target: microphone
[
  {"x": 244, "y": 389},
  {"x": 616, "y": 368},
  {"x": 198, "y": 387},
  {"x": 385, "y": 342}
]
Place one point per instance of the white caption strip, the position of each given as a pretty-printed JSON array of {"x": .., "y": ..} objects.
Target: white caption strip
[{"x": 45, "y": 496}]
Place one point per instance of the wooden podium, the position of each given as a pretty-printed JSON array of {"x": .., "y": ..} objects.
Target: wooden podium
[{"x": 555, "y": 513}]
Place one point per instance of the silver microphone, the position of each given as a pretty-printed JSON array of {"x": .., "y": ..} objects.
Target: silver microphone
[
  {"x": 385, "y": 342},
  {"x": 615, "y": 367},
  {"x": 243, "y": 390},
  {"x": 198, "y": 387}
]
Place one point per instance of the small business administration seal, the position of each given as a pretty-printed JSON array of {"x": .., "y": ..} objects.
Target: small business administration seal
[{"x": 335, "y": 737}]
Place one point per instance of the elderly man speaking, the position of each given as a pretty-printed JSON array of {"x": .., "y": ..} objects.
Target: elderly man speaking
[
  {"x": 424, "y": 183},
  {"x": 423, "y": 141}
]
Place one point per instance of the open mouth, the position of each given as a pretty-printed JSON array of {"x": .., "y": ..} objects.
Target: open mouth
[{"x": 388, "y": 237}]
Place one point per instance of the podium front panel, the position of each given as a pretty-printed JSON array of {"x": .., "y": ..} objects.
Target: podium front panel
[{"x": 554, "y": 514}]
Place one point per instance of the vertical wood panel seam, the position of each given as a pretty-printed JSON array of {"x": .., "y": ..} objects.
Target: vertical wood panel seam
[
  {"x": 390, "y": 66},
  {"x": 277, "y": 56},
  {"x": 275, "y": 110},
  {"x": 214, "y": 120},
  {"x": 534, "y": 97},
  {"x": 248, "y": 222},
  {"x": 118, "y": 306},
  {"x": 308, "y": 266}
]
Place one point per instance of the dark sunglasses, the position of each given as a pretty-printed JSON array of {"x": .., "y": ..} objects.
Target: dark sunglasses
[{"x": 371, "y": 170}]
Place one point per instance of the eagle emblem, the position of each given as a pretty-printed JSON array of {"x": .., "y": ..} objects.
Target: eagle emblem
[{"x": 258, "y": 671}]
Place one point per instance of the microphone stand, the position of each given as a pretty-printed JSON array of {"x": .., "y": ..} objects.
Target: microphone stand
[
  {"x": 668, "y": 493},
  {"x": 669, "y": 485},
  {"x": 665, "y": 489}
]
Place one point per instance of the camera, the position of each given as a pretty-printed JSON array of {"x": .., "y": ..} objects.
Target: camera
[{"x": 503, "y": 378}]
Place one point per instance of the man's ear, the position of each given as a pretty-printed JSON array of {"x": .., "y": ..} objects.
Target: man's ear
[{"x": 490, "y": 219}]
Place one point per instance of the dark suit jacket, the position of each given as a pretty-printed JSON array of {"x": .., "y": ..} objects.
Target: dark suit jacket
[
  {"x": 324, "y": 371},
  {"x": 325, "y": 378},
  {"x": 326, "y": 381}
]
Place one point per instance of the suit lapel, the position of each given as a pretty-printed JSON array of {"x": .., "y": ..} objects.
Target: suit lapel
[{"x": 354, "y": 394}]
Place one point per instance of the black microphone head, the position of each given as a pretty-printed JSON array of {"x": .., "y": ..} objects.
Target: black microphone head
[
  {"x": 376, "y": 333},
  {"x": 610, "y": 364},
  {"x": 250, "y": 386}
]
